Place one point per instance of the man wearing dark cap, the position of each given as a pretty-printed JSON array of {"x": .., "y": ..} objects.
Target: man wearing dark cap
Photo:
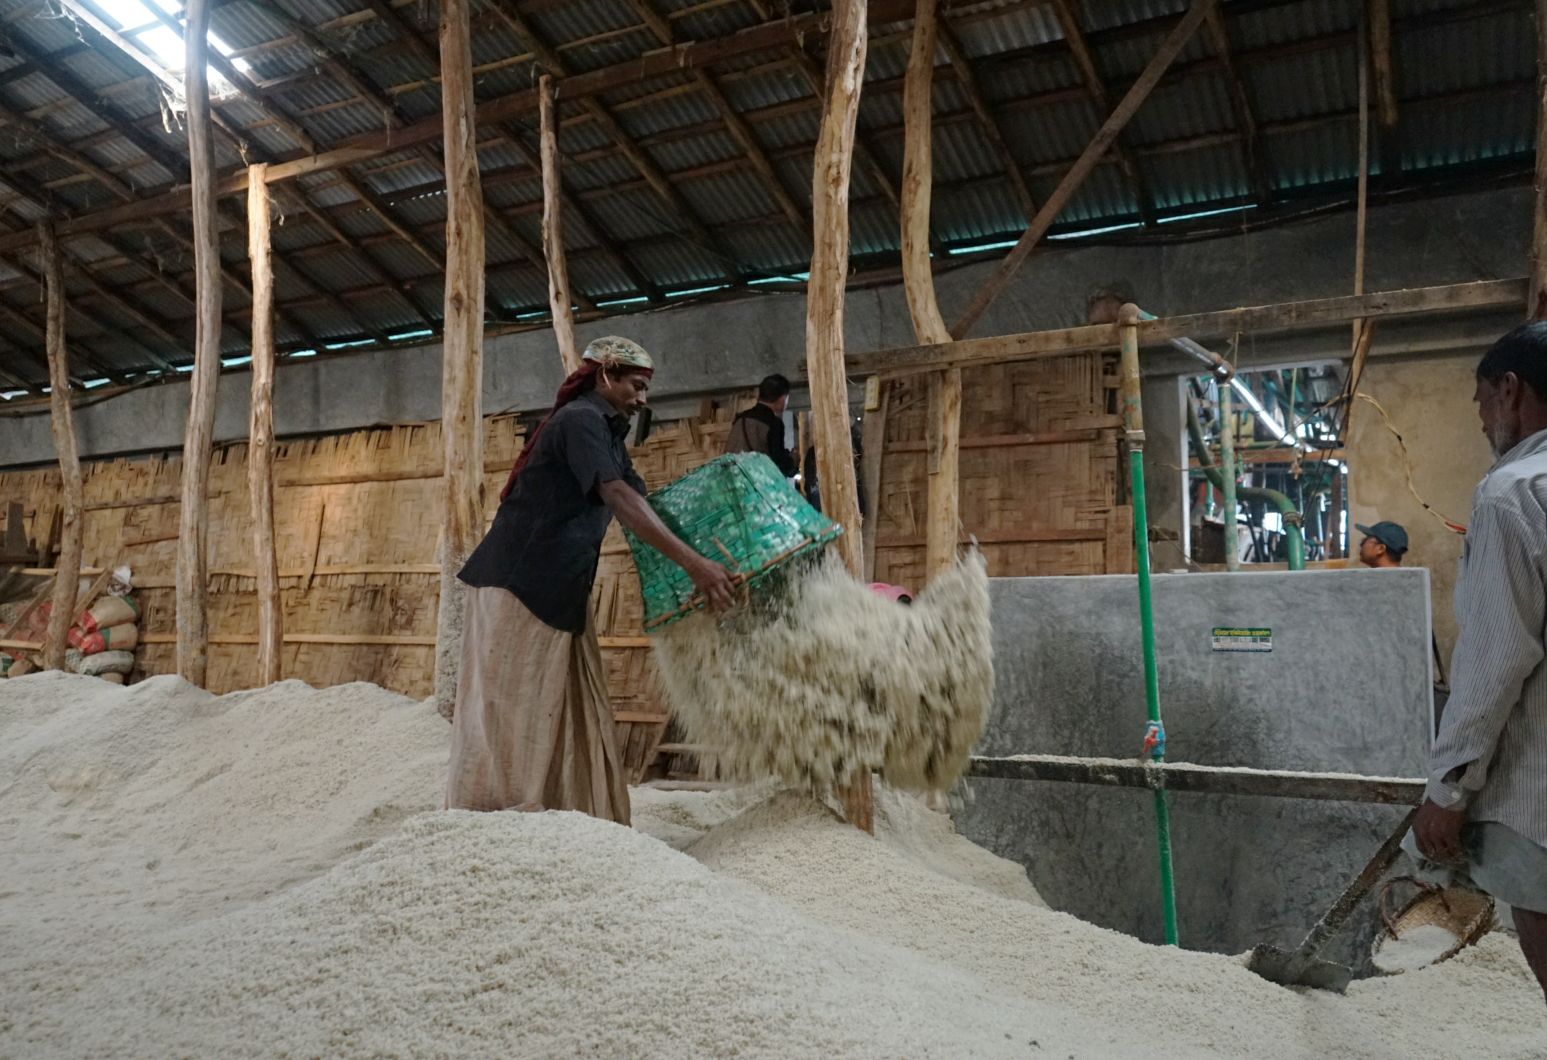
[{"x": 1384, "y": 544}]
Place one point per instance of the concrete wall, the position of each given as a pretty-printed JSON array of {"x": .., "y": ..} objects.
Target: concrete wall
[
  {"x": 1344, "y": 689},
  {"x": 716, "y": 345},
  {"x": 1429, "y": 403}
]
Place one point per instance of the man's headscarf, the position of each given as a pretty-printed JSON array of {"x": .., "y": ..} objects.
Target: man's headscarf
[{"x": 609, "y": 351}]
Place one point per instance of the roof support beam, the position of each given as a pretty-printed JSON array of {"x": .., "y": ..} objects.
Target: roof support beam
[
  {"x": 160, "y": 152},
  {"x": 1377, "y": 14},
  {"x": 1095, "y": 85},
  {"x": 740, "y": 131},
  {"x": 771, "y": 35},
  {"x": 1241, "y": 107},
  {"x": 547, "y": 58},
  {"x": 1170, "y": 48},
  {"x": 641, "y": 282},
  {"x": 986, "y": 120},
  {"x": 370, "y": 94}
]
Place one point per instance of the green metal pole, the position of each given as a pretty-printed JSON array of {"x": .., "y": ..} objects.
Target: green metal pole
[
  {"x": 1227, "y": 469},
  {"x": 1154, "y": 739}
]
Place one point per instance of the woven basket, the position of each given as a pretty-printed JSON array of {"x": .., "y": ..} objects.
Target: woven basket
[
  {"x": 1463, "y": 912},
  {"x": 737, "y": 509}
]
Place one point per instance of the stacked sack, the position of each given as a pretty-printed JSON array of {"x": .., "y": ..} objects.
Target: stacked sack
[{"x": 102, "y": 638}]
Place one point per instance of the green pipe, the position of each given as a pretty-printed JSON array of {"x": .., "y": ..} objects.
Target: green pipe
[
  {"x": 1294, "y": 535},
  {"x": 1228, "y": 472},
  {"x": 1133, "y": 423},
  {"x": 1152, "y": 689}
]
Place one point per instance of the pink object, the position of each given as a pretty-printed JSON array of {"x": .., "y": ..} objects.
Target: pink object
[{"x": 894, "y": 593}]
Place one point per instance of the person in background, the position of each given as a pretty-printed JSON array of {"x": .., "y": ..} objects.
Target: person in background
[
  {"x": 813, "y": 484},
  {"x": 1384, "y": 544},
  {"x": 760, "y": 429},
  {"x": 1485, "y": 806},
  {"x": 533, "y": 729}
]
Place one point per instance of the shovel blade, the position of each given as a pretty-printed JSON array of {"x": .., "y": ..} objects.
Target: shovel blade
[{"x": 1298, "y": 969}]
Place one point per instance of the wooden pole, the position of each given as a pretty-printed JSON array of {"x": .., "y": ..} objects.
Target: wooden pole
[
  {"x": 1536, "y": 305},
  {"x": 945, "y": 387},
  {"x": 829, "y": 273},
  {"x": 831, "y": 166},
  {"x": 1217, "y": 780},
  {"x": 1175, "y": 41},
  {"x": 462, "y": 359},
  {"x": 192, "y": 623},
  {"x": 1223, "y": 323},
  {"x": 1361, "y": 212},
  {"x": 559, "y": 301},
  {"x": 260, "y": 451},
  {"x": 62, "y": 421}
]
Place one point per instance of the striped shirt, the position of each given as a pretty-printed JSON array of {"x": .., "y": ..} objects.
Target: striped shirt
[{"x": 1490, "y": 757}]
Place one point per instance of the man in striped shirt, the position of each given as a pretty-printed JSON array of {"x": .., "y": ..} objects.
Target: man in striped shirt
[{"x": 1486, "y": 802}]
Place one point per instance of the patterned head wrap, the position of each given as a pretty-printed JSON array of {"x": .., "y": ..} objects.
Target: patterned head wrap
[
  {"x": 614, "y": 351},
  {"x": 609, "y": 351}
]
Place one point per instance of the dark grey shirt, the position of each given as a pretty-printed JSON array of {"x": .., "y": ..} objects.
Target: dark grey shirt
[{"x": 547, "y": 535}]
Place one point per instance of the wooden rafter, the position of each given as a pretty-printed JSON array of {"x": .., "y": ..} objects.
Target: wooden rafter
[
  {"x": 368, "y": 93},
  {"x": 865, "y": 154},
  {"x": 987, "y": 122},
  {"x": 1377, "y": 15},
  {"x": 1240, "y": 107},
  {"x": 109, "y": 114},
  {"x": 648, "y": 168},
  {"x": 740, "y": 131},
  {"x": 244, "y": 87},
  {"x": 1169, "y": 49},
  {"x": 1096, "y": 86},
  {"x": 90, "y": 354},
  {"x": 642, "y": 283},
  {"x": 123, "y": 192}
]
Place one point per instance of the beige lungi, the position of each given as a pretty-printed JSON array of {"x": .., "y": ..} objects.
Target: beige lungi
[{"x": 533, "y": 727}]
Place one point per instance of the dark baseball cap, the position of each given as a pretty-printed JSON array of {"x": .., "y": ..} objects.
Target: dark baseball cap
[{"x": 1392, "y": 535}]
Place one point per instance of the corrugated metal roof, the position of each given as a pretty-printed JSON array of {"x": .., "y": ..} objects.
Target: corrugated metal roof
[{"x": 1464, "y": 76}]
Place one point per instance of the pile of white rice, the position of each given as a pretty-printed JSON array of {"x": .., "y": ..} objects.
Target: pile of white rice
[{"x": 266, "y": 874}]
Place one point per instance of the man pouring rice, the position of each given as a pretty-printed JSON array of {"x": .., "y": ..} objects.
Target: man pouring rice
[{"x": 533, "y": 729}]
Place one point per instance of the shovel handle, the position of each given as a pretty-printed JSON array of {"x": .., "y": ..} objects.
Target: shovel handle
[{"x": 1373, "y": 870}]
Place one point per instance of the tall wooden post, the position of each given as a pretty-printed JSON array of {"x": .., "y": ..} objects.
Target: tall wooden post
[
  {"x": 260, "y": 446},
  {"x": 1536, "y": 306},
  {"x": 192, "y": 576},
  {"x": 945, "y": 387},
  {"x": 67, "y": 574},
  {"x": 462, "y": 349},
  {"x": 559, "y": 302},
  {"x": 831, "y": 166},
  {"x": 829, "y": 273}
]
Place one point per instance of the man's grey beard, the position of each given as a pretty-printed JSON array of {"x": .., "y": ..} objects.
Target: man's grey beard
[{"x": 1502, "y": 445}]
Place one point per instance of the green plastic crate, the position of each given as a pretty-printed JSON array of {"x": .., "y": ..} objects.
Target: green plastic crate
[{"x": 737, "y": 509}]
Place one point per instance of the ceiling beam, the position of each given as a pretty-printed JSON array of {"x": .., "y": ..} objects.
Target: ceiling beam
[
  {"x": 642, "y": 283},
  {"x": 1241, "y": 107},
  {"x": 737, "y": 126},
  {"x": 987, "y": 122},
  {"x": 1095, "y": 85},
  {"x": 1378, "y": 18},
  {"x": 549, "y": 60}
]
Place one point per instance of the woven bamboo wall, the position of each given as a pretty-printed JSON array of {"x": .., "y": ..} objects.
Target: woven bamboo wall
[
  {"x": 1041, "y": 482},
  {"x": 357, "y": 519},
  {"x": 356, "y": 522}
]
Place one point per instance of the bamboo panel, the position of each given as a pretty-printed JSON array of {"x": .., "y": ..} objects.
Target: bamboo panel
[
  {"x": 355, "y": 532},
  {"x": 1040, "y": 469}
]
